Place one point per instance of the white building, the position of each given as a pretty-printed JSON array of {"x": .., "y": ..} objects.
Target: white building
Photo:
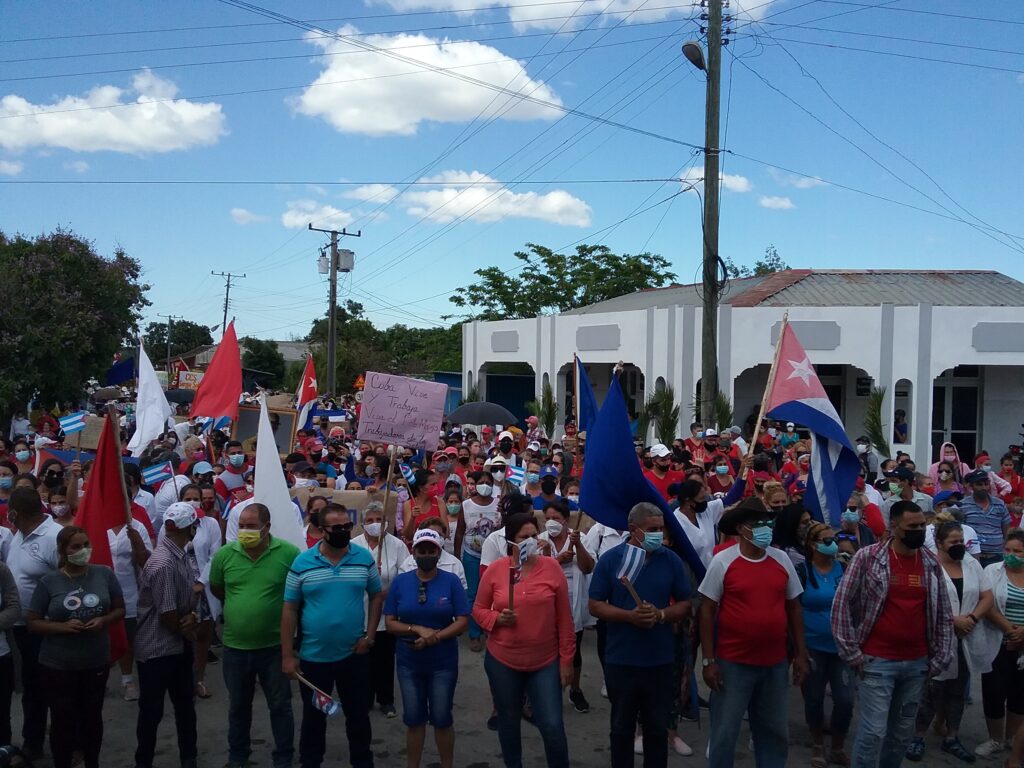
[{"x": 947, "y": 346}]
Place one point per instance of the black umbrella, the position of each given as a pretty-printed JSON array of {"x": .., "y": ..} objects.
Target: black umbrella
[
  {"x": 482, "y": 413},
  {"x": 180, "y": 395}
]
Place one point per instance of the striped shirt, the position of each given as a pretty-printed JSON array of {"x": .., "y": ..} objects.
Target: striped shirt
[
  {"x": 165, "y": 585},
  {"x": 988, "y": 522},
  {"x": 1014, "y": 604},
  {"x": 331, "y": 597}
]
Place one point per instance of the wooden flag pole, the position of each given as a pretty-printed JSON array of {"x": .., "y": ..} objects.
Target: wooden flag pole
[
  {"x": 513, "y": 563},
  {"x": 632, "y": 591},
  {"x": 116, "y": 428},
  {"x": 576, "y": 391},
  {"x": 392, "y": 450},
  {"x": 312, "y": 687},
  {"x": 78, "y": 445},
  {"x": 768, "y": 388}
]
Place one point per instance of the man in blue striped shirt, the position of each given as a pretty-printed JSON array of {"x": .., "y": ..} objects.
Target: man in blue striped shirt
[
  {"x": 987, "y": 515},
  {"x": 329, "y": 582}
]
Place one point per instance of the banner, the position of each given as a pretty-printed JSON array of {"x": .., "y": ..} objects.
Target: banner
[
  {"x": 189, "y": 379},
  {"x": 401, "y": 411}
]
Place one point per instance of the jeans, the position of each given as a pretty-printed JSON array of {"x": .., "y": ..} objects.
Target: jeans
[
  {"x": 427, "y": 695},
  {"x": 241, "y": 671},
  {"x": 33, "y": 703},
  {"x": 382, "y": 669},
  {"x": 351, "y": 676},
  {"x": 889, "y": 694},
  {"x": 827, "y": 669},
  {"x": 763, "y": 692},
  {"x": 75, "y": 698},
  {"x": 170, "y": 675},
  {"x": 645, "y": 692},
  {"x": 471, "y": 564},
  {"x": 544, "y": 690}
]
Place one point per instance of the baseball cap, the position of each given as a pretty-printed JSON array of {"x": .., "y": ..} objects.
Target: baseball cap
[
  {"x": 943, "y": 497},
  {"x": 181, "y": 513},
  {"x": 976, "y": 476},
  {"x": 202, "y": 468},
  {"x": 710, "y": 432},
  {"x": 902, "y": 473},
  {"x": 503, "y": 435},
  {"x": 437, "y": 455},
  {"x": 428, "y": 536},
  {"x": 790, "y": 424},
  {"x": 659, "y": 450},
  {"x": 451, "y": 450},
  {"x": 301, "y": 466},
  {"x": 497, "y": 461},
  {"x": 534, "y": 446},
  {"x": 735, "y": 430},
  {"x": 488, "y": 430},
  {"x": 548, "y": 470}
]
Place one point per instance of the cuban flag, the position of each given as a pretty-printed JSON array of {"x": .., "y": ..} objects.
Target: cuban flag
[
  {"x": 515, "y": 475},
  {"x": 305, "y": 396},
  {"x": 157, "y": 473},
  {"x": 73, "y": 422},
  {"x": 796, "y": 395},
  {"x": 407, "y": 473},
  {"x": 211, "y": 423}
]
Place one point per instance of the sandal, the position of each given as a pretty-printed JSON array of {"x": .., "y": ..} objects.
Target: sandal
[
  {"x": 915, "y": 751},
  {"x": 818, "y": 757},
  {"x": 201, "y": 690},
  {"x": 839, "y": 757},
  {"x": 956, "y": 749}
]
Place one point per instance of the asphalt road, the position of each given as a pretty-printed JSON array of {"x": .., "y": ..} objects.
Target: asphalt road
[{"x": 475, "y": 747}]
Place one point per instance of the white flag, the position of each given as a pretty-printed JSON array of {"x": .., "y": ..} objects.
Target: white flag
[
  {"x": 270, "y": 487},
  {"x": 151, "y": 407}
]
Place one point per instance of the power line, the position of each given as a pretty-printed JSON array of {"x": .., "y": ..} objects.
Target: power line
[
  {"x": 927, "y": 13},
  {"x": 264, "y": 182}
]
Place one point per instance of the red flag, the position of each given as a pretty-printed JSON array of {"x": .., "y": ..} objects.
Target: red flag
[
  {"x": 102, "y": 508},
  {"x": 307, "y": 384},
  {"x": 221, "y": 386}
]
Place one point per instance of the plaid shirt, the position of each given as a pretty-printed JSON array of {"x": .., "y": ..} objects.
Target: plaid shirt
[
  {"x": 861, "y": 597},
  {"x": 165, "y": 585}
]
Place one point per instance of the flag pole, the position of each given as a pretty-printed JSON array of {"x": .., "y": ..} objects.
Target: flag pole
[
  {"x": 116, "y": 429},
  {"x": 768, "y": 386},
  {"x": 512, "y": 564},
  {"x": 576, "y": 390},
  {"x": 78, "y": 445},
  {"x": 387, "y": 497}
]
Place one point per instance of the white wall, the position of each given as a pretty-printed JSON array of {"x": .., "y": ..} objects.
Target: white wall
[{"x": 1002, "y": 391}]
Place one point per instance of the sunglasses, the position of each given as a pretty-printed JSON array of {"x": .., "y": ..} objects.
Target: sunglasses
[
  {"x": 340, "y": 528},
  {"x": 827, "y": 541},
  {"x": 761, "y": 523},
  {"x": 846, "y": 536}
]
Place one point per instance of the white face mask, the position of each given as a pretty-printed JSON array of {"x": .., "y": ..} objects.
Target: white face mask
[
  {"x": 372, "y": 529},
  {"x": 306, "y": 482},
  {"x": 554, "y": 528},
  {"x": 485, "y": 491},
  {"x": 573, "y": 497}
]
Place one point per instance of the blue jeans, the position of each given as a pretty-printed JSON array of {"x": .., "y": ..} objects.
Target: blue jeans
[
  {"x": 764, "y": 693},
  {"x": 241, "y": 671},
  {"x": 828, "y": 670},
  {"x": 544, "y": 690},
  {"x": 471, "y": 564},
  {"x": 889, "y": 696},
  {"x": 427, "y": 695}
]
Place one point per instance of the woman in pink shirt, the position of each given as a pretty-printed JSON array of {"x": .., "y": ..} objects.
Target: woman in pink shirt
[{"x": 530, "y": 646}]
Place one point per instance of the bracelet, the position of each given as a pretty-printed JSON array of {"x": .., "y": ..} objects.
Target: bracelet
[{"x": 972, "y": 617}]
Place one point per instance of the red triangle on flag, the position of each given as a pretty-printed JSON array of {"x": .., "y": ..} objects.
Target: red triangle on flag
[
  {"x": 221, "y": 386},
  {"x": 307, "y": 384},
  {"x": 795, "y": 377}
]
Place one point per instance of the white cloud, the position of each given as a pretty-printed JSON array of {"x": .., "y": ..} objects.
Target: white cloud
[
  {"x": 489, "y": 201},
  {"x": 76, "y": 166},
  {"x": 373, "y": 193},
  {"x": 11, "y": 167},
  {"x": 100, "y": 120},
  {"x": 797, "y": 181},
  {"x": 383, "y": 96},
  {"x": 245, "y": 216},
  {"x": 302, "y": 212},
  {"x": 776, "y": 203},
  {"x": 730, "y": 181}
]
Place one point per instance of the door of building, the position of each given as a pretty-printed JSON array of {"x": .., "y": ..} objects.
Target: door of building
[{"x": 956, "y": 411}]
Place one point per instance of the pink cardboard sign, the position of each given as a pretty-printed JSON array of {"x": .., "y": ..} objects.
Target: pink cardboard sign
[{"x": 401, "y": 411}]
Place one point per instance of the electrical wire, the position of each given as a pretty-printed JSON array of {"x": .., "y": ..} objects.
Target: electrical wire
[{"x": 266, "y": 182}]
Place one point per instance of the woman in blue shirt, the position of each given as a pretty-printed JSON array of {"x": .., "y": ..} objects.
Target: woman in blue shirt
[
  {"x": 820, "y": 575},
  {"x": 427, "y": 609}
]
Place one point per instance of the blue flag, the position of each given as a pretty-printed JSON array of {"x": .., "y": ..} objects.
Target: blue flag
[
  {"x": 613, "y": 481},
  {"x": 121, "y": 372},
  {"x": 587, "y": 405}
]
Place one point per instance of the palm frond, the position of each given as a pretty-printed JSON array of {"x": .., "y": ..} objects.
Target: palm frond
[{"x": 874, "y": 427}]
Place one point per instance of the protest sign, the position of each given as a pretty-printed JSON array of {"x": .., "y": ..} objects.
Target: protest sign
[{"x": 401, "y": 411}]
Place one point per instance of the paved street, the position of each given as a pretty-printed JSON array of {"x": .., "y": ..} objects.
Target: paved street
[{"x": 476, "y": 746}]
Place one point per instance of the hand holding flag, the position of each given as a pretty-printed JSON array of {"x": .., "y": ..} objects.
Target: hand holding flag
[
  {"x": 633, "y": 559},
  {"x": 73, "y": 422}
]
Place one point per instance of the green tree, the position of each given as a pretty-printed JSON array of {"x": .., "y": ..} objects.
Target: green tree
[
  {"x": 64, "y": 311},
  {"x": 552, "y": 282},
  {"x": 770, "y": 263},
  {"x": 545, "y": 409},
  {"x": 185, "y": 336},
  {"x": 261, "y": 355}
]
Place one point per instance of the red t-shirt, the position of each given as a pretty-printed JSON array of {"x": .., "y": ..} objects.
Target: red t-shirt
[
  {"x": 751, "y": 596},
  {"x": 717, "y": 486},
  {"x": 901, "y": 632},
  {"x": 873, "y": 519},
  {"x": 1015, "y": 487},
  {"x": 662, "y": 483}
]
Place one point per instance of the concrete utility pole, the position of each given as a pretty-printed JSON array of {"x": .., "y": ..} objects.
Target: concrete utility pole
[
  {"x": 227, "y": 296},
  {"x": 170, "y": 319},
  {"x": 332, "y": 311},
  {"x": 710, "y": 284}
]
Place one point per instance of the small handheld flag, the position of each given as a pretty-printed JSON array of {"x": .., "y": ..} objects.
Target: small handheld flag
[
  {"x": 157, "y": 473},
  {"x": 629, "y": 569},
  {"x": 73, "y": 422},
  {"x": 322, "y": 701},
  {"x": 407, "y": 473},
  {"x": 218, "y": 423},
  {"x": 515, "y": 475}
]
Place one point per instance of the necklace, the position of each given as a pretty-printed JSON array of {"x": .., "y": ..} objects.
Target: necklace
[{"x": 64, "y": 570}]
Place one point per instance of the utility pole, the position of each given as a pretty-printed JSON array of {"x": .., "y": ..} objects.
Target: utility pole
[
  {"x": 332, "y": 311},
  {"x": 710, "y": 285},
  {"x": 170, "y": 320},
  {"x": 227, "y": 296}
]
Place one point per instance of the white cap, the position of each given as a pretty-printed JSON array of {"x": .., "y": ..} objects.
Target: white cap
[
  {"x": 790, "y": 424},
  {"x": 534, "y": 446},
  {"x": 503, "y": 435},
  {"x": 711, "y": 432},
  {"x": 429, "y": 536},
  {"x": 182, "y": 514},
  {"x": 659, "y": 450}
]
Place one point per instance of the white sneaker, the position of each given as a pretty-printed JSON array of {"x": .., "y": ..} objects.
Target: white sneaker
[
  {"x": 130, "y": 691},
  {"x": 988, "y": 748},
  {"x": 604, "y": 689},
  {"x": 681, "y": 747},
  {"x": 638, "y": 745}
]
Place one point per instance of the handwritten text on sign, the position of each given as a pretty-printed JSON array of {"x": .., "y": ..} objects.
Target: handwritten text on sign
[{"x": 401, "y": 411}]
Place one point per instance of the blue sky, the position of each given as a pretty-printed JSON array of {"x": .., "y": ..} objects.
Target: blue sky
[{"x": 335, "y": 130}]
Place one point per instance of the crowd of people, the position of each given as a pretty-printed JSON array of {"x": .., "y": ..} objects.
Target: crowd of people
[{"x": 894, "y": 611}]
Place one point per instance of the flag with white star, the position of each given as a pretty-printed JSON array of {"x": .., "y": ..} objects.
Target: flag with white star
[{"x": 306, "y": 396}]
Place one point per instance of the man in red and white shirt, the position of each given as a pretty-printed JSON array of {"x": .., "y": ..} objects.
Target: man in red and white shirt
[
  {"x": 751, "y": 606},
  {"x": 233, "y": 476},
  {"x": 661, "y": 475}
]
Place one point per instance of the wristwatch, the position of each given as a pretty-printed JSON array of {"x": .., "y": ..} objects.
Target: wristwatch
[{"x": 706, "y": 662}]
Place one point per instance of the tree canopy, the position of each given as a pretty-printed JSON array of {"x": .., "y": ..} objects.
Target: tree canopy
[
  {"x": 550, "y": 282},
  {"x": 771, "y": 262},
  {"x": 64, "y": 311},
  {"x": 185, "y": 336},
  {"x": 264, "y": 356}
]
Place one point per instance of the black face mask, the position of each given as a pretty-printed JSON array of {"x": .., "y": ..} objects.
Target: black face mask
[
  {"x": 548, "y": 485},
  {"x": 314, "y": 518},
  {"x": 648, "y": 463},
  {"x": 913, "y": 539},
  {"x": 957, "y": 551},
  {"x": 505, "y": 446},
  {"x": 51, "y": 480},
  {"x": 463, "y": 460},
  {"x": 700, "y": 506},
  {"x": 338, "y": 539},
  {"x": 426, "y": 563}
]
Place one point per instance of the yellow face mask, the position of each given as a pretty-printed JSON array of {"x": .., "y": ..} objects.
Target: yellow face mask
[{"x": 250, "y": 539}]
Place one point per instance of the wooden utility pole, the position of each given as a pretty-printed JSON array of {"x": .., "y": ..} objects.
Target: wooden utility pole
[{"x": 332, "y": 311}]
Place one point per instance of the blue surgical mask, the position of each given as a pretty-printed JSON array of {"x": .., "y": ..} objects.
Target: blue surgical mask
[
  {"x": 761, "y": 536},
  {"x": 443, "y": 466},
  {"x": 721, "y": 470},
  {"x": 851, "y": 516},
  {"x": 829, "y": 550},
  {"x": 23, "y": 456},
  {"x": 532, "y": 477},
  {"x": 237, "y": 460},
  {"x": 653, "y": 540},
  {"x": 6, "y": 482}
]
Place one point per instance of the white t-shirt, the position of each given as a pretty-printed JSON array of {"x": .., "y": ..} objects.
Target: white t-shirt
[
  {"x": 601, "y": 538},
  {"x": 448, "y": 562},
  {"x": 31, "y": 557},
  {"x": 494, "y": 547},
  {"x": 166, "y": 495},
  {"x": 971, "y": 540},
  {"x": 702, "y": 535},
  {"x": 481, "y": 522},
  {"x": 124, "y": 565},
  {"x": 147, "y": 501},
  {"x": 5, "y": 542}
]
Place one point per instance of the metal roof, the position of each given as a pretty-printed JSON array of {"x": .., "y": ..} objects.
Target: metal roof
[
  {"x": 838, "y": 288},
  {"x": 669, "y": 296}
]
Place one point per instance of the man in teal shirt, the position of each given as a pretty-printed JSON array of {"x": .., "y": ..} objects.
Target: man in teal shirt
[
  {"x": 329, "y": 582},
  {"x": 249, "y": 575}
]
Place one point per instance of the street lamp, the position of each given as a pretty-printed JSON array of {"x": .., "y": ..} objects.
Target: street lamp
[{"x": 694, "y": 54}]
